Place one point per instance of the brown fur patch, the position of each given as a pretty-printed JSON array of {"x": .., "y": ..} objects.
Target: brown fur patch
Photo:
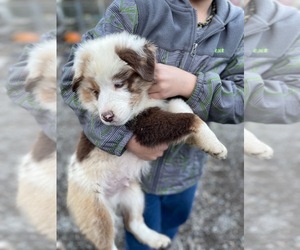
[
  {"x": 84, "y": 147},
  {"x": 123, "y": 75},
  {"x": 196, "y": 124},
  {"x": 48, "y": 95},
  {"x": 91, "y": 216},
  {"x": 43, "y": 147},
  {"x": 86, "y": 96},
  {"x": 87, "y": 88},
  {"x": 32, "y": 82},
  {"x": 93, "y": 86},
  {"x": 155, "y": 126},
  {"x": 75, "y": 83},
  {"x": 143, "y": 65},
  {"x": 136, "y": 84},
  {"x": 133, "y": 81}
]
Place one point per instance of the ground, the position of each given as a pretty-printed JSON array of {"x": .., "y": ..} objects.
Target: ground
[{"x": 272, "y": 191}]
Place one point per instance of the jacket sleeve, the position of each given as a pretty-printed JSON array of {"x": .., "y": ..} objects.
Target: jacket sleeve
[
  {"x": 274, "y": 96},
  {"x": 220, "y": 97},
  {"x": 121, "y": 15},
  {"x": 16, "y": 91}
]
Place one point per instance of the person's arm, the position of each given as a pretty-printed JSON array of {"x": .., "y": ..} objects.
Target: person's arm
[
  {"x": 274, "y": 97},
  {"x": 120, "y": 16},
  {"x": 220, "y": 97},
  {"x": 211, "y": 96},
  {"x": 16, "y": 91}
]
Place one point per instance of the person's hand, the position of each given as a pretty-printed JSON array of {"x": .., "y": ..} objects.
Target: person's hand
[
  {"x": 171, "y": 81},
  {"x": 145, "y": 153}
]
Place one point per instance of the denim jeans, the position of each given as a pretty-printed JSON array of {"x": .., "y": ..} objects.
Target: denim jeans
[{"x": 164, "y": 214}]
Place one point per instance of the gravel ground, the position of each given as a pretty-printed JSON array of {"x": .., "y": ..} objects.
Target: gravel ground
[{"x": 272, "y": 191}]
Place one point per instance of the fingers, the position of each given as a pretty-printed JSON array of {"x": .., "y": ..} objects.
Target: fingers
[
  {"x": 156, "y": 152},
  {"x": 163, "y": 147},
  {"x": 157, "y": 96},
  {"x": 158, "y": 91},
  {"x": 155, "y": 88},
  {"x": 146, "y": 153}
]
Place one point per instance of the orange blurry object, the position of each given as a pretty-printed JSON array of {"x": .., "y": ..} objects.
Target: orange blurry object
[
  {"x": 72, "y": 37},
  {"x": 25, "y": 37}
]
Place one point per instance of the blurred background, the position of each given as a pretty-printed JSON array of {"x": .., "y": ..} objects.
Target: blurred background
[
  {"x": 217, "y": 220},
  {"x": 22, "y": 22},
  {"x": 272, "y": 187}
]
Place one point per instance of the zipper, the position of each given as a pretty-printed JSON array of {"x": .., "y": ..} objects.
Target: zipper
[
  {"x": 194, "y": 49},
  {"x": 157, "y": 172},
  {"x": 199, "y": 41}
]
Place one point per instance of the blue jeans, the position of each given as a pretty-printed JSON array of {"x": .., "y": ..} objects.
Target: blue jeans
[{"x": 164, "y": 214}]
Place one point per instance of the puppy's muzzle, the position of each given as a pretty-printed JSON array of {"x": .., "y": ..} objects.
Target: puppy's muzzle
[{"x": 108, "y": 116}]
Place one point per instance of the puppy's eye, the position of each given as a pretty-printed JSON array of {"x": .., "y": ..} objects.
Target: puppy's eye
[
  {"x": 94, "y": 92},
  {"x": 119, "y": 85}
]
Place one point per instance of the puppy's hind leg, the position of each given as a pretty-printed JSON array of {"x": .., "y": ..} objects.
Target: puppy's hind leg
[
  {"x": 92, "y": 217},
  {"x": 132, "y": 205},
  {"x": 202, "y": 136}
]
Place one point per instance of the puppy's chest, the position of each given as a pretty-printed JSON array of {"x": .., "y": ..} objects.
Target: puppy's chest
[
  {"x": 128, "y": 169},
  {"x": 116, "y": 184}
]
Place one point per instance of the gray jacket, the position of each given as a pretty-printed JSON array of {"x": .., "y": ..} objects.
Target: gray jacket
[
  {"x": 217, "y": 61},
  {"x": 272, "y": 60}
]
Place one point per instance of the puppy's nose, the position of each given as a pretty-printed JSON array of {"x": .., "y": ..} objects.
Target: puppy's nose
[{"x": 108, "y": 116}]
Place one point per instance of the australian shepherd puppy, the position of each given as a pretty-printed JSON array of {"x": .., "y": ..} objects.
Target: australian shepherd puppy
[
  {"x": 36, "y": 196},
  {"x": 111, "y": 78}
]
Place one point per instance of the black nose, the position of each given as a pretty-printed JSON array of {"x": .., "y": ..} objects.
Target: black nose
[{"x": 108, "y": 116}]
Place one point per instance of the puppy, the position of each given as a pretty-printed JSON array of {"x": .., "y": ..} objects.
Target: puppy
[
  {"x": 111, "y": 78},
  {"x": 36, "y": 196},
  {"x": 254, "y": 147}
]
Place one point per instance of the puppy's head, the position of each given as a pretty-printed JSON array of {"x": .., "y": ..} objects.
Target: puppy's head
[
  {"x": 112, "y": 76},
  {"x": 41, "y": 79}
]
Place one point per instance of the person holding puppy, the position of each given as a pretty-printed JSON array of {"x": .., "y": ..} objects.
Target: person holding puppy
[{"x": 199, "y": 58}]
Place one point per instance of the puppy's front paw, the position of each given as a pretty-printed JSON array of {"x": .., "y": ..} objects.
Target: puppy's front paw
[
  {"x": 158, "y": 241},
  {"x": 219, "y": 152},
  {"x": 254, "y": 147},
  {"x": 206, "y": 140},
  {"x": 265, "y": 153}
]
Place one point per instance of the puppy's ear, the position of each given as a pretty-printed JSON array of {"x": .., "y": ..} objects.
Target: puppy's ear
[
  {"x": 143, "y": 64},
  {"x": 82, "y": 59},
  {"x": 31, "y": 83},
  {"x": 75, "y": 83}
]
